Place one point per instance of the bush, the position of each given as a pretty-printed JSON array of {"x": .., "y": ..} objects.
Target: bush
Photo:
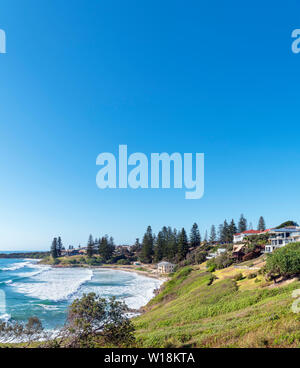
[
  {"x": 284, "y": 261},
  {"x": 93, "y": 261},
  {"x": 212, "y": 268},
  {"x": 238, "y": 277},
  {"x": 211, "y": 279},
  {"x": 252, "y": 276},
  {"x": 200, "y": 257},
  {"x": 220, "y": 262},
  {"x": 123, "y": 262},
  {"x": 94, "y": 321}
]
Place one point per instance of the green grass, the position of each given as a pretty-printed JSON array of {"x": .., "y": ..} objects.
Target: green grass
[{"x": 195, "y": 311}]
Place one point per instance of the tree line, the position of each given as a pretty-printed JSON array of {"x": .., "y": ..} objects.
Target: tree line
[
  {"x": 103, "y": 246},
  {"x": 172, "y": 245},
  {"x": 169, "y": 244}
]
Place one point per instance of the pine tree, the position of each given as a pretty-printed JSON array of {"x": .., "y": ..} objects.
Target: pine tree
[
  {"x": 213, "y": 235},
  {"x": 261, "y": 224},
  {"x": 220, "y": 233},
  {"x": 106, "y": 248},
  {"x": 90, "y": 247},
  {"x": 160, "y": 246},
  {"x": 232, "y": 230},
  {"x": 242, "y": 226},
  {"x": 137, "y": 243},
  {"x": 136, "y": 246},
  {"x": 205, "y": 236},
  {"x": 225, "y": 234},
  {"x": 183, "y": 245},
  {"x": 195, "y": 238},
  {"x": 147, "y": 246},
  {"x": 165, "y": 237},
  {"x": 59, "y": 247},
  {"x": 54, "y": 248},
  {"x": 172, "y": 244}
]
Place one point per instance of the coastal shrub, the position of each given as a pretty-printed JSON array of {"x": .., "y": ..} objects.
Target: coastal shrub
[
  {"x": 92, "y": 261},
  {"x": 93, "y": 322},
  {"x": 200, "y": 256},
  {"x": 284, "y": 261},
  {"x": 220, "y": 262},
  {"x": 27, "y": 332},
  {"x": 123, "y": 262},
  {"x": 197, "y": 256},
  {"x": 211, "y": 279},
  {"x": 238, "y": 277},
  {"x": 212, "y": 267}
]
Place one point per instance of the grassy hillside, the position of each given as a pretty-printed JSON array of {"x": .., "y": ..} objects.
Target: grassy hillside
[{"x": 196, "y": 310}]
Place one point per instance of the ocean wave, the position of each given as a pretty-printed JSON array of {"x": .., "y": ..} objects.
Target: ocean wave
[
  {"x": 55, "y": 284},
  {"x": 49, "y": 307},
  {"x": 5, "y": 317},
  {"x": 134, "y": 289},
  {"x": 16, "y": 266}
]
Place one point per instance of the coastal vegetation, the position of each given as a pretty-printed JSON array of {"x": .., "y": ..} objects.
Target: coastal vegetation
[
  {"x": 168, "y": 245},
  {"x": 237, "y": 305},
  {"x": 284, "y": 262},
  {"x": 213, "y": 299},
  {"x": 92, "y": 322},
  {"x": 226, "y": 308}
]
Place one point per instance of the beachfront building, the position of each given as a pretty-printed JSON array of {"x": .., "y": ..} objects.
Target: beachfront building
[
  {"x": 281, "y": 237},
  {"x": 239, "y": 237},
  {"x": 165, "y": 267}
]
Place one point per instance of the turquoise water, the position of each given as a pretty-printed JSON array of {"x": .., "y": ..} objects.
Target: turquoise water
[{"x": 28, "y": 289}]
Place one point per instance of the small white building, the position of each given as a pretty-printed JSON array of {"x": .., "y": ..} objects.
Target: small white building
[
  {"x": 165, "y": 267},
  {"x": 217, "y": 253}
]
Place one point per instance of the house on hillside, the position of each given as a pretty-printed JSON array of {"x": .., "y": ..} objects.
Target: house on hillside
[
  {"x": 69, "y": 252},
  {"x": 217, "y": 253},
  {"x": 238, "y": 251},
  {"x": 165, "y": 267},
  {"x": 239, "y": 237},
  {"x": 281, "y": 237}
]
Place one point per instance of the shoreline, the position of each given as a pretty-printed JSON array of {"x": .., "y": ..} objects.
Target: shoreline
[
  {"x": 126, "y": 268},
  {"x": 131, "y": 269},
  {"x": 146, "y": 271}
]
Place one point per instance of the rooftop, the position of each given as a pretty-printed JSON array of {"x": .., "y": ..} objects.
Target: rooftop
[{"x": 253, "y": 232}]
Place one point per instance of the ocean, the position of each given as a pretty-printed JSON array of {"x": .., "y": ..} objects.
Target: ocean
[{"x": 28, "y": 289}]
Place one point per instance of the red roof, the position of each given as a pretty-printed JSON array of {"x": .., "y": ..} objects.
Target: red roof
[{"x": 253, "y": 232}]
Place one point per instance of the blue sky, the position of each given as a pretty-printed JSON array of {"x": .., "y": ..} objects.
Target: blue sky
[{"x": 79, "y": 78}]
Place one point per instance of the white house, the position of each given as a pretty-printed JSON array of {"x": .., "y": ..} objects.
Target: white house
[
  {"x": 281, "y": 237},
  {"x": 165, "y": 267},
  {"x": 217, "y": 253},
  {"x": 239, "y": 237}
]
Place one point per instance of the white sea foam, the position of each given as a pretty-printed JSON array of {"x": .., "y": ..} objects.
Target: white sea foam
[
  {"x": 5, "y": 317},
  {"x": 54, "y": 284},
  {"x": 135, "y": 290},
  {"x": 39, "y": 269},
  {"x": 49, "y": 307},
  {"x": 16, "y": 266}
]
